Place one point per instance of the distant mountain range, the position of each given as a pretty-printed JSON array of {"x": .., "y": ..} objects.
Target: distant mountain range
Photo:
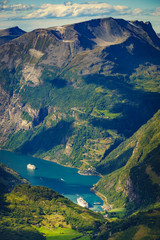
[{"x": 79, "y": 95}]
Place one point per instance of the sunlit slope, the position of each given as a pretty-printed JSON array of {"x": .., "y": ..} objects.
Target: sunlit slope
[
  {"x": 29, "y": 211},
  {"x": 132, "y": 169}
]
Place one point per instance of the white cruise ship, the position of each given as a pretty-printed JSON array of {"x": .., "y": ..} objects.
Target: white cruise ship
[
  {"x": 82, "y": 202},
  {"x": 30, "y": 166}
]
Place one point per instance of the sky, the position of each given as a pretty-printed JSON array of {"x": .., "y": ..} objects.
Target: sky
[{"x": 29, "y": 15}]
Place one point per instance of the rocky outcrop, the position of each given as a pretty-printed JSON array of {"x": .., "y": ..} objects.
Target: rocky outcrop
[
  {"x": 68, "y": 149},
  {"x": 12, "y": 121},
  {"x": 42, "y": 113},
  {"x": 31, "y": 75},
  {"x": 130, "y": 192}
]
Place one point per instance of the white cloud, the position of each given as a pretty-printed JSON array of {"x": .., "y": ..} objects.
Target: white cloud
[
  {"x": 157, "y": 12},
  {"x": 16, "y": 7},
  {"x": 68, "y": 3},
  {"x": 121, "y": 9},
  {"x": 76, "y": 10},
  {"x": 136, "y": 11}
]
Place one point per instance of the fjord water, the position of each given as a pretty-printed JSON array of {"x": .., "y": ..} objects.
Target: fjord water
[{"x": 62, "y": 179}]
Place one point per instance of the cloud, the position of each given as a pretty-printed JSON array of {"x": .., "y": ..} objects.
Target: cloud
[
  {"x": 157, "y": 12},
  {"x": 136, "y": 11},
  {"x": 68, "y": 3},
  {"x": 121, "y": 9},
  {"x": 16, "y": 7},
  {"x": 76, "y": 10}
]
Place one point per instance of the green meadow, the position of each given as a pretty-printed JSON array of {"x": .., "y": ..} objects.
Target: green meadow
[{"x": 60, "y": 234}]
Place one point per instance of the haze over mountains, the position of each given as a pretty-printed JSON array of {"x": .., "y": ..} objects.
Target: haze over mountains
[{"x": 76, "y": 94}]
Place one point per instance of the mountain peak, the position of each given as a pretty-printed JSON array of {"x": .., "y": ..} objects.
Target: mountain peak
[
  {"x": 13, "y": 31},
  {"x": 110, "y": 31},
  {"x": 10, "y": 33}
]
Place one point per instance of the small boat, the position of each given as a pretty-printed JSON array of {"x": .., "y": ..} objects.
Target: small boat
[
  {"x": 97, "y": 203},
  {"x": 82, "y": 202},
  {"x": 30, "y": 166},
  {"x": 62, "y": 179}
]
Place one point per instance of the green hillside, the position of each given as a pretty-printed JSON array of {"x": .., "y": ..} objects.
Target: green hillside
[
  {"x": 80, "y": 125},
  {"x": 132, "y": 169},
  {"x": 8, "y": 179},
  {"x": 40, "y": 213},
  {"x": 140, "y": 226},
  {"x": 33, "y": 212}
]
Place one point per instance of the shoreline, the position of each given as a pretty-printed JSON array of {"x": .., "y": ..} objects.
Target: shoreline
[
  {"x": 85, "y": 173},
  {"x": 106, "y": 206},
  {"x": 88, "y": 173},
  {"x": 80, "y": 172},
  {"x": 101, "y": 196},
  {"x": 55, "y": 161}
]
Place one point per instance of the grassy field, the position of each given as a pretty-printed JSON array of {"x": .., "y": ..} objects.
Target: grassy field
[
  {"x": 62, "y": 234},
  {"x": 118, "y": 212},
  {"x": 105, "y": 114}
]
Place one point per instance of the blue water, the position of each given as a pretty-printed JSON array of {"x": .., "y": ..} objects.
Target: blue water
[{"x": 64, "y": 180}]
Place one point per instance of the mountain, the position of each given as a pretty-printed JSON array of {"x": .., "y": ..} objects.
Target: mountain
[
  {"x": 71, "y": 94},
  {"x": 84, "y": 95},
  {"x": 8, "y": 34},
  {"x": 8, "y": 179},
  {"x": 132, "y": 177}
]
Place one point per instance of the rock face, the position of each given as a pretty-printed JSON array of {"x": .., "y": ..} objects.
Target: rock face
[
  {"x": 32, "y": 74},
  {"x": 12, "y": 120},
  {"x": 129, "y": 191}
]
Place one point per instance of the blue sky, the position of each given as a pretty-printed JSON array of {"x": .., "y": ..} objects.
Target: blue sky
[{"x": 29, "y": 14}]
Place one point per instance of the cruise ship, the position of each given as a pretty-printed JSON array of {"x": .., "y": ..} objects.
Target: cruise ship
[
  {"x": 30, "y": 166},
  {"x": 82, "y": 202}
]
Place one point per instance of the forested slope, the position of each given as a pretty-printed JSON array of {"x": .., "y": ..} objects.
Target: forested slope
[{"x": 133, "y": 178}]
